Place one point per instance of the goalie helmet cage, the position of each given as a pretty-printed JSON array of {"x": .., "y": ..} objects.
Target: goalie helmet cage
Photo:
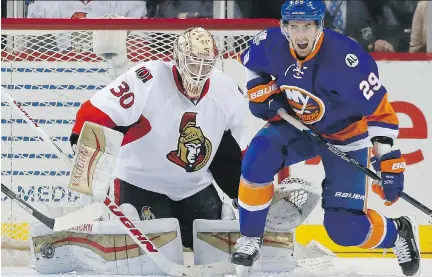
[{"x": 51, "y": 66}]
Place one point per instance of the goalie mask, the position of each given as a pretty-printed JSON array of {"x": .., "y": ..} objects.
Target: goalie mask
[{"x": 195, "y": 54}]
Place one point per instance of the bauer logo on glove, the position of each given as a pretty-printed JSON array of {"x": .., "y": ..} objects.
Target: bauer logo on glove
[{"x": 391, "y": 166}]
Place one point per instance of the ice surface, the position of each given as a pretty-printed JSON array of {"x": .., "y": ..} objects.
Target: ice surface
[{"x": 343, "y": 267}]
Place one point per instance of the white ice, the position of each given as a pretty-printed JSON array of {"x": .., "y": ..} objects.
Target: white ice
[{"x": 342, "y": 267}]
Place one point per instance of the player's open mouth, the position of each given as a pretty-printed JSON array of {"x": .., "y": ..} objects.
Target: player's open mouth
[{"x": 302, "y": 45}]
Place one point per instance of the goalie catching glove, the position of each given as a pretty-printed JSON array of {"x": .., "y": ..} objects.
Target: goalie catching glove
[{"x": 294, "y": 199}]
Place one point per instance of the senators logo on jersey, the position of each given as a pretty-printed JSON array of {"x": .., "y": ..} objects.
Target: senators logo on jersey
[
  {"x": 308, "y": 107},
  {"x": 193, "y": 148}
]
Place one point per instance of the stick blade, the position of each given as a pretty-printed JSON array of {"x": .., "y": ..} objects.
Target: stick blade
[{"x": 84, "y": 215}]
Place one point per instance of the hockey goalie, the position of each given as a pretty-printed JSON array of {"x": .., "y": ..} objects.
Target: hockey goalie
[{"x": 182, "y": 126}]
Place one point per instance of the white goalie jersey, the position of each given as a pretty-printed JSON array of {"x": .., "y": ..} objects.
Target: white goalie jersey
[{"x": 170, "y": 141}]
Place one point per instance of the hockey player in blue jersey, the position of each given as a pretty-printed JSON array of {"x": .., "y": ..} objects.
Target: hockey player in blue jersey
[{"x": 328, "y": 82}]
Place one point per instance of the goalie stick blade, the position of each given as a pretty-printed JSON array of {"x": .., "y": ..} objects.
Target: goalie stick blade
[{"x": 84, "y": 215}]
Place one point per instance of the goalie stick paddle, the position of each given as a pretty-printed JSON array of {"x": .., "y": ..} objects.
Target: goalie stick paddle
[
  {"x": 143, "y": 241},
  {"x": 84, "y": 215},
  {"x": 300, "y": 126}
]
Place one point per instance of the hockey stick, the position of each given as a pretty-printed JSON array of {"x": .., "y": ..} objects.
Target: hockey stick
[
  {"x": 300, "y": 126},
  {"x": 84, "y": 215},
  {"x": 141, "y": 239},
  {"x": 30, "y": 121},
  {"x": 159, "y": 258}
]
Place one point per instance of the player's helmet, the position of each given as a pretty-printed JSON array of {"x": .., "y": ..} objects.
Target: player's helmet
[
  {"x": 303, "y": 10},
  {"x": 313, "y": 10},
  {"x": 195, "y": 54}
]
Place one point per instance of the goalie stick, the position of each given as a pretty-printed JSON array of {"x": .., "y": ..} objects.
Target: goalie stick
[
  {"x": 84, "y": 215},
  {"x": 300, "y": 126},
  {"x": 141, "y": 239}
]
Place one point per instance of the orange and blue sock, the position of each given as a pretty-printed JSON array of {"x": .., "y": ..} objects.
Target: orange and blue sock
[{"x": 254, "y": 203}]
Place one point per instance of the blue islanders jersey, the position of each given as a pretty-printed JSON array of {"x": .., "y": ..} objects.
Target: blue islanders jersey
[{"x": 336, "y": 89}]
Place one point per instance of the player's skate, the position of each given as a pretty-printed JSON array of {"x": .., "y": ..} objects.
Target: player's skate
[
  {"x": 407, "y": 245},
  {"x": 246, "y": 254}
]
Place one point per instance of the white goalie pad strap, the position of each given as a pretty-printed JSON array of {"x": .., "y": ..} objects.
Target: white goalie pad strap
[
  {"x": 293, "y": 201},
  {"x": 94, "y": 160}
]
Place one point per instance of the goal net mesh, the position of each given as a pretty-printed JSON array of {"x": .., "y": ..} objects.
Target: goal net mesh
[{"x": 50, "y": 73}]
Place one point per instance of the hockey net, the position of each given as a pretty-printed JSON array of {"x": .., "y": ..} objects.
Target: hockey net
[{"x": 50, "y": 67}]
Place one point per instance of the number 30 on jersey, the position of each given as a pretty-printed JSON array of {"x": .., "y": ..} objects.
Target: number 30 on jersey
[
  {"x": 369, "y": 86},
  {"x": 126, "y": 97}
]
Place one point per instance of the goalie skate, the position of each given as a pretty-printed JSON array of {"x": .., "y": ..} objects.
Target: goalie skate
[
  {"x": 407, "y": 245},
  {"x": 248, "y": 251}
]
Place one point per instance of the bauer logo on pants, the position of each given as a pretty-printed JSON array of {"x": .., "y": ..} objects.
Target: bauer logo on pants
[{"x": 193, "y": 148}]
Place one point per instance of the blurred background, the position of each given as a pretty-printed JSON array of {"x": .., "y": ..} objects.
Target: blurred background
[{"x": 378, "y": 25}]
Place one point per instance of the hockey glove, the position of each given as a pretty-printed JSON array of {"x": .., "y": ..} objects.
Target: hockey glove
[
  {"x": 391, "y": 167},
  {"x": 267, "y": 110}
]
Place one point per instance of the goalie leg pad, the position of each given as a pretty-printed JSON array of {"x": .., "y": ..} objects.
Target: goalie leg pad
[
  {"x": 214, "y": 241},
  {"x": 102, "y": 247},
  {"x": 371, "y": 230}
]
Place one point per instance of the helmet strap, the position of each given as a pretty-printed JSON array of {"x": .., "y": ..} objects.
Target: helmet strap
[{"x": 320, "y": 30}]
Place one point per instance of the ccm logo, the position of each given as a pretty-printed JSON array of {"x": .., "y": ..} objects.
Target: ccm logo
[
  {"x": 129, "y": 225},
  {"x": 263, "y": 91},
  {"x": 397, "y": 166}
]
